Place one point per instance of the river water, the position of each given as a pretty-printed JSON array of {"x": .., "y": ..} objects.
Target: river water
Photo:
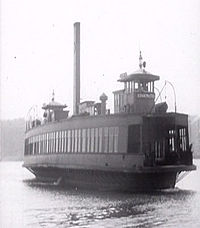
[{"x": 26, "y": 204}]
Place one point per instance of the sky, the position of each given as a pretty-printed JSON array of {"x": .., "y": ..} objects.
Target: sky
[{"x": 37, "y": 50}]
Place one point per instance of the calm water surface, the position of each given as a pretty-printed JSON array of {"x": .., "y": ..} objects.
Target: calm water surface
[{"x": 25, "y": 204}]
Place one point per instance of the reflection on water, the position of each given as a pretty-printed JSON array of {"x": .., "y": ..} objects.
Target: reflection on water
[{"x": 25, "y": 203}]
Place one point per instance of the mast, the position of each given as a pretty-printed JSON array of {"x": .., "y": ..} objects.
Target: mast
[{"x": 76, "y": 90}]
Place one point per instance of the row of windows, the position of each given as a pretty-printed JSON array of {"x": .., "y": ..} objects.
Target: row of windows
[
  {"x": 132, "y": 86},
  {"x": 182, "y": 139},
  {"x": 76, "y": 140}
]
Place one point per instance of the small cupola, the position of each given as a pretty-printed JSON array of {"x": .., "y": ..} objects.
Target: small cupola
[
  {"x": 54, "y": 110},
  {"x": 103, "y": 98}
]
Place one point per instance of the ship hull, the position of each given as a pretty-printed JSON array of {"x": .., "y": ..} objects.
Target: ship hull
[{"x": 107, "y": 180}]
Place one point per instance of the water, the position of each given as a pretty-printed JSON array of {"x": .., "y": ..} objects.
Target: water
[{"x": 25, "y": 204}]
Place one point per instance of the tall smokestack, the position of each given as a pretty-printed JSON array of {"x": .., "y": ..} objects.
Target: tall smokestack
[{"x": 76, "y": 91}]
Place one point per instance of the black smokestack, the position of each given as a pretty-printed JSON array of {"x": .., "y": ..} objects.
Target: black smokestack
[{"x": 76, "y": 98}]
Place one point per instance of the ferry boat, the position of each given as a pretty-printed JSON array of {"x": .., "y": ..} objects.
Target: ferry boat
[{"x": 139, "y": 147}]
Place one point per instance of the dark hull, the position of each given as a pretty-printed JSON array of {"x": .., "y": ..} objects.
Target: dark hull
[{"x": 106, "y": 180}]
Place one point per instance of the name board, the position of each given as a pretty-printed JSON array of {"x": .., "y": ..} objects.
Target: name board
[{"x": 145, "y": 95}]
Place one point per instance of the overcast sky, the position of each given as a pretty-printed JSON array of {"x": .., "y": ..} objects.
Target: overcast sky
[{"x": 37, "y": 50}]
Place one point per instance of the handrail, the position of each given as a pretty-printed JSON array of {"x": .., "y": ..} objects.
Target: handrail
[{"x": 174, "y": 94}]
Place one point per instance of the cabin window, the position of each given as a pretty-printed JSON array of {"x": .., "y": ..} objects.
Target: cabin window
[
  {"x": 111, "y": 137},
  {"x": 65, "y": 142},
  {"x": 46, "y": 143},
  {"x": 79, "y": 140},
  {"x": 159, "y": 148},
  {"x": 25, "y": 147},
  {"x": 69, "y": 141},
  {"x": 27, "y": 151},
  {"x": 171, "y": 140},
  {"x": 61, "y": 141},
  {"x": 134, "y": 139},
  {"x": 31, "y": 146},
  {"x": 36, "y": 151},
  {"x": 57, "y": 142},
  {"x": 182, "y": 139},
  {"x": 96, "y": 140},
  {"x": 100, "y": 139},
  {"x": 54, "y": 142},
  {"x": 33, "y": 142},
  {"x": 41, "y": 144},
  {"x": 88, "y": 140},
  {"x": 49, "y": 143},
  {"x": 73, "y": 141},
  {"x": 116, "y": 135},
  {"x": 106, "y": 140},
  {"x": 92, "y": 140},
  {"x": 76, "y": 140},
  {"x": 35, "y": 145},
  {"x": 84, "y": 140},
  {"x": 49, "y": 139},
  {"x": 38, "y": 144}
]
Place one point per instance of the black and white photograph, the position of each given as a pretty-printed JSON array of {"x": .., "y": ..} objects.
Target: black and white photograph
[{"x": 99, "y": 113}]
